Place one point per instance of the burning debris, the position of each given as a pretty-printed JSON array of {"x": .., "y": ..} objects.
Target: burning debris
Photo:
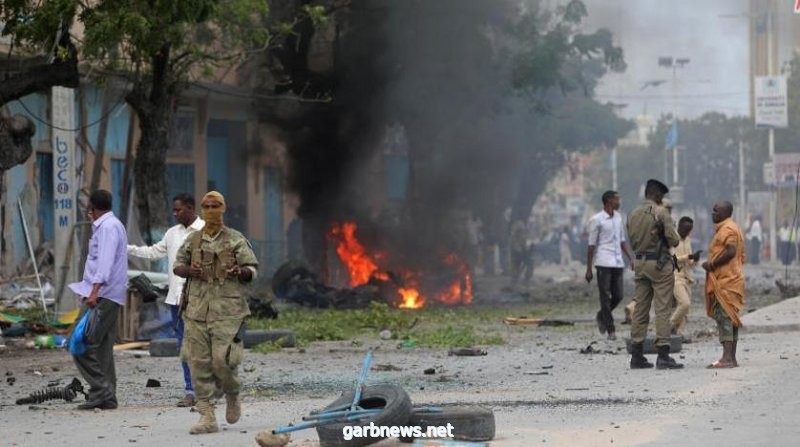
[{"x": 371, "y": 277}]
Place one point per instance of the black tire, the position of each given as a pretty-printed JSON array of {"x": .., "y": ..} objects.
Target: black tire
[
  {"x": 285, "y": 273},
  {"x": 392, "y": 399},
  {"x": 164, "y": 347},
  {"x": 470, "y": 423},
  {"x": 649, "y": 345},
  {"x": 254, "y": 337}
]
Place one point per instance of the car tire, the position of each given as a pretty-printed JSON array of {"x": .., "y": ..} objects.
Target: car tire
[
  {"x": 470, "y": 423},
  {"x": 392, "y": 399},
  {"x": 164, "y": 347},
  {"x": 254, "y": 337}
]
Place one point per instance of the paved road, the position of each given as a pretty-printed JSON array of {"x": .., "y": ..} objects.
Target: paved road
[{"x": 582, "y": 400}]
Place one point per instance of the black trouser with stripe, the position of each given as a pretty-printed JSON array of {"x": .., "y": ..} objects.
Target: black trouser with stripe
[{"x": 97, "y": 364}]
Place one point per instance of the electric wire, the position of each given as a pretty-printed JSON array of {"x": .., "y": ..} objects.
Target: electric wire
[{"x": 103, "y": 116}]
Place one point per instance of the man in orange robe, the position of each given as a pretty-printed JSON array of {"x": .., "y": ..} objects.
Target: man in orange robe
[{"x": 725, "y": 281}]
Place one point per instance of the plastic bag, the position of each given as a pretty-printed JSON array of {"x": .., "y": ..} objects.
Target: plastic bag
[{"x": 77, "y": 341}]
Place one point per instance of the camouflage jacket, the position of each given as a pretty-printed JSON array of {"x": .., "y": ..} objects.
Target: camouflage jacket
[{"x": 216, "y": 295}]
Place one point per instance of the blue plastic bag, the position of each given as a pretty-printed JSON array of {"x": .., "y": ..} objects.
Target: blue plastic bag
[{"x": 77, "y": 341}]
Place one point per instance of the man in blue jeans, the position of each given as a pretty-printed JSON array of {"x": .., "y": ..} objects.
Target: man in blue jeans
[
  {"x": 183, "y": 208},
  {"x": 607, "y": 245}
]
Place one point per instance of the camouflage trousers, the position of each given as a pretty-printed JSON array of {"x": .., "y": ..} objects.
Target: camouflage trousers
[{"x": 213, "y": 356}]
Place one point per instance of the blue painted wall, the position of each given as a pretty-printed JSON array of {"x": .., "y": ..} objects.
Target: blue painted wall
[{"x": 217, "y": 164}]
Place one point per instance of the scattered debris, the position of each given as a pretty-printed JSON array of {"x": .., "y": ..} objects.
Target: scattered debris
[
  {"x": 537, "y": 373},
  {"x": 132, "y": 345},
  {"x": 386, "y": 334},
  {"x": 386, "y": 367},
  {"x": 429, "y": 371},
  {"x": 68, "y": 393},
  {"x": 268, "y": 439},
  {"x": 514, "y": 321},
  {"x": 152, "y": 383},
  {"x": 467, "y": 352},
  {"x": 590, "y": 349}
]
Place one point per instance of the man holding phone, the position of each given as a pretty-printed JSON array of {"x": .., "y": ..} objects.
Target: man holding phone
[{"x": 684, "y": 279}]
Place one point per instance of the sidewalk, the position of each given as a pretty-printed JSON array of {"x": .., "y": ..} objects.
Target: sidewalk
[{"x": 781, "y": 316}]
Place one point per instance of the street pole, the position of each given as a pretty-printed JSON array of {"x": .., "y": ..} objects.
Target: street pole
[
  {"x": 773, "y": 242},
  {"x": 614, "y": 168},
  {"x": 742, "y": 204}
]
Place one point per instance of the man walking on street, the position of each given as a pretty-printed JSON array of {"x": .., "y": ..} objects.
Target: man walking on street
[
  {"x": 217, "y": 262},
  {"x": 183, "y": 208},
  {"x": 683, "y": 278},
  {"x": 607, "y": 244},
  {"x": 652, "y": 234},
  {"x": 103, "y": 290},
  {"x": 725, "y": 282}
]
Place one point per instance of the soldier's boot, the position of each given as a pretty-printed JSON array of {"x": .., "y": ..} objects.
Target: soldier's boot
[
  {"x": 208, "y": 421},
  {"x": 233, "y": 408},
  {"x": 664, "y": 361},
  {"x": 638, "y": 360}
]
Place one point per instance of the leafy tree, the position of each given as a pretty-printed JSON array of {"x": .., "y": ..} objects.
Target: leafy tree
[
  {"x": 156, "y": 47},
  {"x": 159, "y": 47},
  {"x": 43, "y": 60}
]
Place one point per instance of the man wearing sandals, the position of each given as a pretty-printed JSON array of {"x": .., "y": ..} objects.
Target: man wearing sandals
[{"x": 725, "y": 281}]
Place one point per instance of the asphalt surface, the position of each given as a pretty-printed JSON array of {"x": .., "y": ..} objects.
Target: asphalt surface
[{"x": 542, "y": 390}]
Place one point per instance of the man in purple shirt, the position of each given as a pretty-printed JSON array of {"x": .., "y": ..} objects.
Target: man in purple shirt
[{"x": 103, "y": 290}]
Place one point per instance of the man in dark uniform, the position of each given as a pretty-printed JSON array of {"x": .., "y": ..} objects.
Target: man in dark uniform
[{"x": 652, "y": 234}]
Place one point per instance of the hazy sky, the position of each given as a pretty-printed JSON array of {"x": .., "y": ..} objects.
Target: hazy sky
[{"x": 714, "y": 79}]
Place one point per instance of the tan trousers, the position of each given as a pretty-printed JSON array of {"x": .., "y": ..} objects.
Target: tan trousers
[
  {"x": 653, "y": 287},
  {"x": 213, "y": 356},
  {"x": 683, "y": 298}
]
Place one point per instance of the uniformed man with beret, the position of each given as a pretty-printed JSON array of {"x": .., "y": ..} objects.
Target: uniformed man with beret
[
  {"x": 217, "y": 261},
  {"x": 652, "y": 233}
]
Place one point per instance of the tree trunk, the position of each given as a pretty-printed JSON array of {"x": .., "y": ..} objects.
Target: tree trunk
[
  {"x": 149, "y": 170},
  {"x": 153, "y": 103}
]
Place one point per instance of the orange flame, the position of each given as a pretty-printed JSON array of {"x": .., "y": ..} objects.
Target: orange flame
[
  {"x": 411, "y": 298},
  {"x": 361, "y": 266}
]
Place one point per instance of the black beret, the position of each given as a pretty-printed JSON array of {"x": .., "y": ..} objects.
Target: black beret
[{"x": 653, "y": 183}]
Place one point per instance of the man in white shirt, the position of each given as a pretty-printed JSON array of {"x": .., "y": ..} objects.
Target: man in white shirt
[
  {"x": 754, "y": 236},
  {"x": 183, "y": 208},
  {"x": 607, "y": 245}
]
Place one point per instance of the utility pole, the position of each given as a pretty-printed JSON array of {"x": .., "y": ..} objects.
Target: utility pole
[{"x": 773, "y": 241}]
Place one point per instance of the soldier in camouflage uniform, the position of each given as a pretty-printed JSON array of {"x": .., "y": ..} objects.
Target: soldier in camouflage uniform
[
  {"x": 652, "y": 234},
  {"x": 217, "y": 261}
]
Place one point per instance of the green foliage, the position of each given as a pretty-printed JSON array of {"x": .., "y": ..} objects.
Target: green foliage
[
  {"x": 549, "y": 48},
  {"x": 34, "y": 26},
  {"x": 268, "y": 347},
  {"x": 193, "y": 33},
  {"x": 709, "y": 162},
  {"x": 428, "y": 327},
  {"x": 452, "y": 337}
]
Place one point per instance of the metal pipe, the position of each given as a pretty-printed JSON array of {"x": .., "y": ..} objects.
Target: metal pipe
[
  {"x": 305, "y": 425},
  {"x": 362, "y": 377},
  {"x": 33, "y": 257},
  {"x": 337, "y": 414}
]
